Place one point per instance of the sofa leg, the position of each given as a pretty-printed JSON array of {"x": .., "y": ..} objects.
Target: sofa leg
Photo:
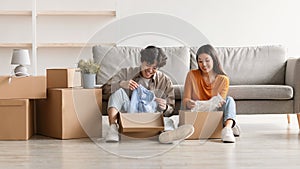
[
  {"x": 288, "y": 118},
  {"x": 298, "y": 117}
]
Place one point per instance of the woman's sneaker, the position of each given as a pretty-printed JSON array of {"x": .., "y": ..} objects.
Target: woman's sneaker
[
  {"x": 227, "y": 135},
  {"x": 180, "y": 133},
  {"x": 112, "y": 134},
  {"x": 236, "y": 130}
]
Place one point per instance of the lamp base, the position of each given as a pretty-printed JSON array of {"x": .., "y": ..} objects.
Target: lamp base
[{"x": 21, "y": 71}]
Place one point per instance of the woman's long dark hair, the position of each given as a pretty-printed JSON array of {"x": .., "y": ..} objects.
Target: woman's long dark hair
[{"x": 208, "y": 49}]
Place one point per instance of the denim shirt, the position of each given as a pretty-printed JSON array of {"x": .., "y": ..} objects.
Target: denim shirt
[
  {"x": 142, "y": 101},
  {"x": 159, "y": 83}
]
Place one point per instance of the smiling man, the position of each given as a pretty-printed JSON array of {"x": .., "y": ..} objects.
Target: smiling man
[{"x": 121, "y": 86}]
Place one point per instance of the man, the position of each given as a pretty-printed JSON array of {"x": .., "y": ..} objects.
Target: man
[{"x": 148, "y": 75}]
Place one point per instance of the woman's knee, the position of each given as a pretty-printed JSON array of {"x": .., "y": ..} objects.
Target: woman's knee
[{"x": 229, "y": 100}]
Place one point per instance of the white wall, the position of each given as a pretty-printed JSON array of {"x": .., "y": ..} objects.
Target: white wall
[
  {"x": 231, "y": 22},
  {"x": 224, "y": 23}
]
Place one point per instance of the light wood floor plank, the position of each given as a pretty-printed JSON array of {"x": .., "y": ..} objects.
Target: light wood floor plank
[{"x": 267, "y": 141}]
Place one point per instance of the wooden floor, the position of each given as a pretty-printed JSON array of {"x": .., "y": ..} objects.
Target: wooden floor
[{"x": 267, "y": 141}]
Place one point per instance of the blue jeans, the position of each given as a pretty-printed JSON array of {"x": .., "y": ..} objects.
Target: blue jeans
[
  {"x": 119, "y": 100},
  {"x": 142, "y": 100},
  {"x": 229, "y": 110}
]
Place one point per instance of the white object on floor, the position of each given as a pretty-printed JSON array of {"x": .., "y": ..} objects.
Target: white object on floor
[
  {"x": 169, "y": 124},
  {"x": 112, "y": 134}
]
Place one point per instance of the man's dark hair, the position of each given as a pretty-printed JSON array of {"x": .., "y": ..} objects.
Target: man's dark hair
[{"x": 151, "y": 54}]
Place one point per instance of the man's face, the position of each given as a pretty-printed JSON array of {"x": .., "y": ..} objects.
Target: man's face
[{"x": 148, "y": 70}]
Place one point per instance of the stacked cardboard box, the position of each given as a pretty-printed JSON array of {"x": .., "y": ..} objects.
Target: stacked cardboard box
[
  {"x": 69, "y": 111},
  {"x": 17, "y": 105}
]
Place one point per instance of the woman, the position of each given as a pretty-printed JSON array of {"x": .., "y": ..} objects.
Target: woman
[{"x": 207, "y": 81}]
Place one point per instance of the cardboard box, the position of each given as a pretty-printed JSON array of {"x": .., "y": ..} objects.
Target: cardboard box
[
  {"x": 31, "y": 87},
  {"x": 70, "y": 113},
  {"x": 16, "y": 119},
  {"x": 63, "y": 78},
  {"x": 206, "y": 124},
  {"x": 141, "y": 125}
]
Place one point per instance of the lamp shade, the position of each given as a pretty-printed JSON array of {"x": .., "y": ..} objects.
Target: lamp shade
[{"x": 20, "y": 57}]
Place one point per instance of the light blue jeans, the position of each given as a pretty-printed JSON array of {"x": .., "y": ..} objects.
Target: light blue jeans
[
  {"x": 142, "y": 100},
  {"x": 229, "y": 110},
  {"x": 119, "y": 100}
]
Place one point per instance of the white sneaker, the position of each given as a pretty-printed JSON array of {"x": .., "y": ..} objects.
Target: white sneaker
[
  {"x": 180, "y": 133},
  {"x": 227, "y": 135},
  {"x": 236, "y": 130},
  {"x": 112, "y": 134}
]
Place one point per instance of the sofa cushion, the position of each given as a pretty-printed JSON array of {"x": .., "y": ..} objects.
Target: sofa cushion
[
  {"x": 250, "y": 65},
  {"x": 261, "y": 92},
  {"x": 113, "y": 58}
]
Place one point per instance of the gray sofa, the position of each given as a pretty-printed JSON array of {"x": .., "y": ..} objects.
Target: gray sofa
[{"x": 262, "y": 78}]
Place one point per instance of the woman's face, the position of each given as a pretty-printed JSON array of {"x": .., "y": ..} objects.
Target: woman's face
[
  {"x": 148, "y": 70},
  {"x": 205, "y": 62}
]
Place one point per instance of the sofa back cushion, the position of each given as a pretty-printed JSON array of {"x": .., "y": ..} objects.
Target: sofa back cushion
[
  {"x": 250, "y": 65},
  {"x": 113, "y": 58}
]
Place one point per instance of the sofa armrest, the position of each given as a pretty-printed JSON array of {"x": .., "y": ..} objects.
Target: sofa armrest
[{"x": 292, "y": 78}]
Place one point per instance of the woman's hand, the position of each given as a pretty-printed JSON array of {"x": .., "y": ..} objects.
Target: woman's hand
[
  {"x": 162, "y": 103},
  {"x": 190, "y": 104},
  {"x": 130, "y": 84},
  {"x": 221, "y": 103}
]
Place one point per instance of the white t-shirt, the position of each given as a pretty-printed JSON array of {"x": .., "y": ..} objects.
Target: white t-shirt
[{"x": 144, "y": 82}]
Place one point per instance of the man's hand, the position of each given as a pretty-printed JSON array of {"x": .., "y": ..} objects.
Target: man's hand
[
  {"x": 130, "y": 84},
  {"x": 162, "y": 103},
  {"x": 190, "y": 104}
]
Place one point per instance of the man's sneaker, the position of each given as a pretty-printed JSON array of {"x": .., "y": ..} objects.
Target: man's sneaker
[
  {"x": 112, "y": 134},
  {"x": 180, "y": 133},
  {"x": 236, "y": 130},
  {"x": 227, "y": 135}
]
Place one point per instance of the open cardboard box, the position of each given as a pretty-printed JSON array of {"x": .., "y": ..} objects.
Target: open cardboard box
[
  {"x": 141, "y": 125},
  {"x": 206, "y": 124}
]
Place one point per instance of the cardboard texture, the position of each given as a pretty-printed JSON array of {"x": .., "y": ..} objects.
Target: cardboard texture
[
  {"x": 70, "y": 113},
  {"x": 16, "y": 119},
  {"x": 141, "y": 125},
  {"x": 31, "y": 87},
  {"x": 63, "y": 78},
  {"x": 206, "y": 124}
]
